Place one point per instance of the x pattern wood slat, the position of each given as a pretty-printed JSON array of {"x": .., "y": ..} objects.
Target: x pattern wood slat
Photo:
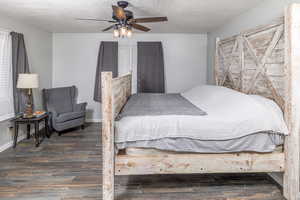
[
  {"x": 247, "y": 67},
  {"x": 262, "y": 62},
  {"x": 229, "y": 63}
]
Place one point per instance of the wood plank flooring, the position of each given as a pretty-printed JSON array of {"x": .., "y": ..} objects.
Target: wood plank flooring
[{"x": 69, "y": 168}]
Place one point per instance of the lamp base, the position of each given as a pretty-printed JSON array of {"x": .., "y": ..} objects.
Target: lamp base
[
  {"x": 28, "y": 117},
  {"x": 28, "y": 112}
]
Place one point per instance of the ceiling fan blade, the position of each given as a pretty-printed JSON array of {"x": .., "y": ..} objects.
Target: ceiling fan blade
[
  {"x": 150, "y": 19},
  {"x": 140, "y": 27},
  {"x": 119, "y": 12},
  {"x": 108, "y": 28},
  {"x": 98, "y": 20}
]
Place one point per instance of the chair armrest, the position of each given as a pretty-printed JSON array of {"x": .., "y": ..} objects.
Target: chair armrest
[
  {"x": 52, "y": 116},
  {"x": 53, "y": 113},
  {"x": 80, "y": 107}
]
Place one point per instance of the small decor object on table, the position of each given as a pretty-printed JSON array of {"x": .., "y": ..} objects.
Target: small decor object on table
[
  {"x": 38, "y": 117},
  {"x": 28, "y": 81},
  {"x": 39, "y": 113}
]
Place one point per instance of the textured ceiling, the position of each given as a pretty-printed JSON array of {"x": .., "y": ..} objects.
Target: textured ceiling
[{"x": 185, "y": 16}]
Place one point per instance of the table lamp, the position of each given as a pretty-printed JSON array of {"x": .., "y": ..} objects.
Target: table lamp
[{"x": 28, "y": 82}]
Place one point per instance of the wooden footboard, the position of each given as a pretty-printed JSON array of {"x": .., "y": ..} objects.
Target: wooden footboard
[
  {"x": 191, "y": 163},
  {"x": 115, "y": 92}
]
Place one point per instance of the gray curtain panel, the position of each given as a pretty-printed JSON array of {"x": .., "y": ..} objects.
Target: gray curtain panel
[
  {"x": 107, "y": 61},
  {"x": 19, "y": 65},
  {"x": 150, "y": 68}
]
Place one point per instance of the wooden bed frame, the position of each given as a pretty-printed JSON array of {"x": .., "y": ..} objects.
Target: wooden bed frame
[{"x": 264, "y": 61}]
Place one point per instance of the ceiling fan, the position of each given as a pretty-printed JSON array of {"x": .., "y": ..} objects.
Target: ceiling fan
[{"x": 123, "y": 20}]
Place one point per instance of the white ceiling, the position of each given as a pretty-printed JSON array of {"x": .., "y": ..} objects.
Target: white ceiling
[{"x": 185, "y": 16}]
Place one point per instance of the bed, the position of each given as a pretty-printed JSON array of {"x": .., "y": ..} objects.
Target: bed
[
  {"x": 232, "y": 122},
  {"x": 262, "y": 66}
]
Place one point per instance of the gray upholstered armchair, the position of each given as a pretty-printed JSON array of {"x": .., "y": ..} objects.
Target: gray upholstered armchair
[{"x": 65, "y": 112}]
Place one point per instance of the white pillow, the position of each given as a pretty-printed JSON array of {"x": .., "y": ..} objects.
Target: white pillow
[{"x": 214, "y": 97}]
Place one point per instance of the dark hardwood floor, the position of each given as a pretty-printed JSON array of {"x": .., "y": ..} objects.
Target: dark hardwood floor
[{"x": 69, "y": 167}]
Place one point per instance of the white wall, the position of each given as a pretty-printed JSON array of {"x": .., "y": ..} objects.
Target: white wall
[
  {"x": 263, "y": 14},
  {"x": 75, "y": 57},
  {"x": 39, "y": 48}
]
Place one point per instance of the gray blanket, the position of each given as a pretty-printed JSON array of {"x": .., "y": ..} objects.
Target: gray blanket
[{"x": 145, "y": 104}]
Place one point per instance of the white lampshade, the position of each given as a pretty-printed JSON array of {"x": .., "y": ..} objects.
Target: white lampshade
[{"x": 28, "y": 81}]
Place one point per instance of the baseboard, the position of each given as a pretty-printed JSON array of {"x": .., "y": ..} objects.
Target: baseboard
[
  {"x": 21, "y": 136},
  {"x": 11, "y": 143},
  {"x": 6, "y": 146},
  {"x": 93, "y": 120}
]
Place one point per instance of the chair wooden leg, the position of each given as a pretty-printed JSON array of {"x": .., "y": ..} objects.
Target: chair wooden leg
[
  {"x": 16, "y": 135},
  {"x": 28, "y": 131},
  {"x": 47, "y": 131},
  {"x": 36, "y": 134}
]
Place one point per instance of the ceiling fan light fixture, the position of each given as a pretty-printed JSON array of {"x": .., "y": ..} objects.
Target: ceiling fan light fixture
[
  {"x": 129, "y": 33},
  {"x": 123, "y": 31},
  {"x": 123, "y": 21},
  {"x": 116, "y": 32}
]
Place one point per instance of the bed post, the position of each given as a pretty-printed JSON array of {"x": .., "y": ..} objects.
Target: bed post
[
  {"x": 108, "y": 171},
  {"x": 216, "y": 61},
  {"x": 292, "y": 108}
]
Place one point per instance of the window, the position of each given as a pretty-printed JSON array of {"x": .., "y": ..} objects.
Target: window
[
  {"x": 6, "y": 87},
  {"x": 127, "y": 57}
]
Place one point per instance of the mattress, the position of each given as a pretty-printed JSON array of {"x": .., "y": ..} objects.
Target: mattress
[
  {"x": 259, "y": 142},
  {"x": 234, "y": 122},
  {"x": 139, "y": 151}
]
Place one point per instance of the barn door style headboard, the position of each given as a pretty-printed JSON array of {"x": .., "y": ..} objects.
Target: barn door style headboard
[
  {"x": 265, "y": 61},
  {"x": 253, "y": 62}
]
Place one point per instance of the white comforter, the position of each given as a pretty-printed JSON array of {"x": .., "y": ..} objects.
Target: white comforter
[{"x": 230, "y": 115}]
